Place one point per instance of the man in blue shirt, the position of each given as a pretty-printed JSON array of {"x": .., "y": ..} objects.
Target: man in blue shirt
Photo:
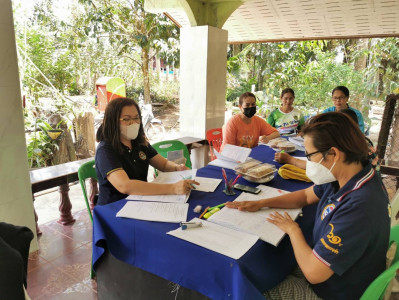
[{"x": 340, "y": 97}]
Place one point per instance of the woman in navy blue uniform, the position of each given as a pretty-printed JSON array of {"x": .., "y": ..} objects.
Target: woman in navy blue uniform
[
  {"x": 352, "y": 223},
  {"x": 124, "y": 154}
]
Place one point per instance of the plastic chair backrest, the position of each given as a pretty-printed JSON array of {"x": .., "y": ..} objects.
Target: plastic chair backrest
[
  {"x": 87, "y": 170},
  {"x": 394, "y": 238},
  {"x": 172, "y": 145},
  {"x": 215, "y": 139},
  {"x": 376, "y": 289}
]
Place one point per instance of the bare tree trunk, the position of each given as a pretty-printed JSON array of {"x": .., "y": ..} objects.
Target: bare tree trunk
[
  {"x": 236, "y": 49},
  {"x": 146, "y": 77},
  {"x": 66, "y": 148},
  {"x": 85, "y": 138},
  {"x": 360, "y": 102}
]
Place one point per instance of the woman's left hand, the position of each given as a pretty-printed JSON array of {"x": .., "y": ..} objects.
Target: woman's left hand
[{"x": 284, "y": 222}]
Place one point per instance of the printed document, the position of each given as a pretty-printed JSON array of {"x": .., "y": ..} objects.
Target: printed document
[
  {"x": 220, "y": 239},
  {"x": 255, "y": 222},
  {"x": 207, "y": 184},
  {"x": 167, "y": 177},
  {"x": 155, "y": 211},
  {"x": 230, "y": 156}
]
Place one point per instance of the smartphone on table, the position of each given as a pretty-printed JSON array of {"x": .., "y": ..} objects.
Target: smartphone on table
[{"x": 248, "y": 189}]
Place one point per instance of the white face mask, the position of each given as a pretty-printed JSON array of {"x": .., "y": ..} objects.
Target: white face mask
[
  {"x": 318, "y": 173},
  {"x": 130, "y": 132}
]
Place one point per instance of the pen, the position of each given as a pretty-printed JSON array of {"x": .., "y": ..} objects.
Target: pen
[
  {"x": 204, "y": 212},
  {"x": 224, "y": 175},
  {"x": 217, "y": 206},
  {"x": 235, "y": 180},
  {"x": 186, "y": 225},
  {"x": 192, "y": 184}
]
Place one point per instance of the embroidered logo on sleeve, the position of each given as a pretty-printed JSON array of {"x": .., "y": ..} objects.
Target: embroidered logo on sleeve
[
  {"x": 333, "y": 239},
  {"x": 327, "y": 209},
  {"x": 142, "y": 155}
]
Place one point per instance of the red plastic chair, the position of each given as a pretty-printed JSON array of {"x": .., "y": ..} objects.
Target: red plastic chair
[{"x": 215, "y": 140}]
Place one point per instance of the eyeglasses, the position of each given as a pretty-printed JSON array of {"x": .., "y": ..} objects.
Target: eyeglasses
[
  {"x": 339, "y": 98},
  {"x": 130, "y": 121},
  {"x": 309, "y": 155}
]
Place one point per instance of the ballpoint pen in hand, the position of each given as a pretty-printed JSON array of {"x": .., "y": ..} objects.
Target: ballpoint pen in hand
[{"x": 192, "y": 184}]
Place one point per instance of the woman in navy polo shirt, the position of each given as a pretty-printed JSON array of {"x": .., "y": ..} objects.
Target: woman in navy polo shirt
[
  {"x": 352, "y": 224},
  {"x": 124, "y": 154}
]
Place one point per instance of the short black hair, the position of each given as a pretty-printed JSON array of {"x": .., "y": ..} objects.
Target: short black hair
[
  {"x": 246, "y": 95},
  {"x": 287, "y": 90},
  {"x": 350, "y": 113},
  {"x": 341, "y": 88}
]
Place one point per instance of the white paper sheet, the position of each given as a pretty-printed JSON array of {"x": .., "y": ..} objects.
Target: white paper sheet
[
  {"x": 255, "y": 222},
  {"x": 154, "y": 211},
  {"x": 234, "y": 153},
  {"x": 160, "y": 198},
  {"x": 207, "y": 184},
  {"x": 220, "y": 239},
  {"x": 223, "y": 163},
  {"x": 172, "y": 177},
  {"x": 167, "y": 177}
]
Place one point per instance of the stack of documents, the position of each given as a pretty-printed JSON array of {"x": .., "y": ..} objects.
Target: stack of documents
[
  {"x": 154, "y": 211},
  {"x": 298, "y": 141},
  {"x": 230, "y": 156},
  {"x": 255, "y": 222},
  {"x": 220, "y": 239},
  {"x": 168, "y": 177}
]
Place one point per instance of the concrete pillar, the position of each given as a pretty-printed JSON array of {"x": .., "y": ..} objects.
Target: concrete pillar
[
  {"x": 16, "y": 206},
  {"x": 203, "y": 58}
]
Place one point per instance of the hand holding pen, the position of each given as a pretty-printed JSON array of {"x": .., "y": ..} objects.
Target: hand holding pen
[{"x": 185, "y": 186}]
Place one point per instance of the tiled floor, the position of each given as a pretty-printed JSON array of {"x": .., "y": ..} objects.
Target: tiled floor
[{"x": 61, "y": 267}]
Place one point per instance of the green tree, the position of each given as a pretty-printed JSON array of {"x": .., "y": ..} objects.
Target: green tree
[{"x": 130, "y": 29}]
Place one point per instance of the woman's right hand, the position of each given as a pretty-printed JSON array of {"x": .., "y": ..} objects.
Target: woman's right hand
[
  {"x": 183, "y": 186},
  {"x": 283, "y": 158},
  {"x": 245, "y": 205}
]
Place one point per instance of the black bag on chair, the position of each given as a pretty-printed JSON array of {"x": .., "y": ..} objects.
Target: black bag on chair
[{"x": 14, "y": 253}]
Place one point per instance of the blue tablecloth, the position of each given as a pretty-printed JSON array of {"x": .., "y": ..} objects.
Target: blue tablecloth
[{"x": 147, "y": 246}]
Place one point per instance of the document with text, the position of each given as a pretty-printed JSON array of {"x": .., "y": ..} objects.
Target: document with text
[
  {"x": 207, "y": 184},
  {"x": 167, "y": 178},
  {"x": 154, "y": 211},
  {"x": 230, "y": 156},
  {"x": 255, "y": 222},
  {"x": 226, "y": 241}
]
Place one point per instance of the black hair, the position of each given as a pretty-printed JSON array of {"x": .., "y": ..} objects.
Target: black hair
[
  {"x": 350, "y": 113},
  {"x": 335, "y": 129},
  {"x": 287, "y": 90},
  {"x": 109, "y": 130},
  {"x": 246, "y": 95},
  {"x": 341, "y": 88}
]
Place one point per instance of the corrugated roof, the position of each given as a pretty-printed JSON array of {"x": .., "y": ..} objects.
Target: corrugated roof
[{"x": 278, "y": 20}]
